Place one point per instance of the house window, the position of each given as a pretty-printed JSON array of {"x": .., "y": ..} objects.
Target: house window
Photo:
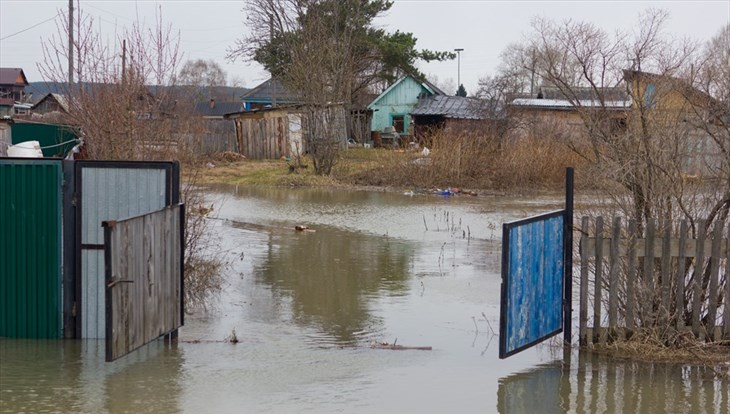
[
  {"x": 399, "y": 123},
  {"x": 650, "y": 96}
]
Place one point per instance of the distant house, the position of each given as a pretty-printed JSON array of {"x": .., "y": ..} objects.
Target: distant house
[
  {"x": 689, "y": 112},
  {"x": 216, "y": 110},
  {"x": 452, "y": 113},
  {"x": 7, "y": 108},
  {"x": 550, "y": 108},
  {"x": 394, "y": 106},
  {"x": 219, "y": 133},
  {"x": 6, "y": 137},
  {"x": 12, "y": 84},
  {"x": 50, "y": 103},
  {"x": 285, "y": 131},
  {"x": 270, "y": 93}
]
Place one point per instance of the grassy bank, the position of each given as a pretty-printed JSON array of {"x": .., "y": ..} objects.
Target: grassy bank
[{"x": 454, "y": 163}]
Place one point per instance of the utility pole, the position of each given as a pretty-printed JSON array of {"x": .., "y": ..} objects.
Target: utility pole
[
  {"x": 124, "y": 60},
  {"x": 458, "y": 72},
  {"x": 70, "y": 42}
]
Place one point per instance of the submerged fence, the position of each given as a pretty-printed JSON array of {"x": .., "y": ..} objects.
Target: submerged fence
[{"x": 660, "y": 278}]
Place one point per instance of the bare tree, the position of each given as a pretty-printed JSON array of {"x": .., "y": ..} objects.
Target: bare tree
[
  {"x": 202, "y": 75},
  {"x": 654, "y": 113},
  {"x": 124, "y": 105}
]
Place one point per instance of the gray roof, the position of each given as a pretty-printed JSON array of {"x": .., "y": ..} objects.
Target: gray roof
[
  {"x": 61, "y": 99},
  {"x": 219, "y": 108},
  {"x": 270, "y": 88},
  {"x": 456, "y": 107}
]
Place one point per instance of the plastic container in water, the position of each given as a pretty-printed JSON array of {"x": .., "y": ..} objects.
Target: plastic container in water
[{"x": 27, "y": 149}]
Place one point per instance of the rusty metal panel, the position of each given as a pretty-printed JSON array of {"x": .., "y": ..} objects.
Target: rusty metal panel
[
  {"x": 30, "y": 248},
  {"x": 143, "y": 279},
  {"x": 111, "y": 191}
]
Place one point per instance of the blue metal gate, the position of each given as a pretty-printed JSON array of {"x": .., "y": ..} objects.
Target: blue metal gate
[{"x": 536, "y": 301}]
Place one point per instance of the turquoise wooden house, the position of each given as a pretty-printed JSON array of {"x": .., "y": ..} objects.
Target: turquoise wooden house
[{"x": 393, "y": 107}]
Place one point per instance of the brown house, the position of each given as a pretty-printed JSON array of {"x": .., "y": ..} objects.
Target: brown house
[
  {"x": 551, "y": 109},
  {"x": 12, "y": 84},
  {"x": 454, "y": 114}
]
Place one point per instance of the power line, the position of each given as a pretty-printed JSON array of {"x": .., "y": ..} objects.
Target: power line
[{"x": 31, "y": 27}]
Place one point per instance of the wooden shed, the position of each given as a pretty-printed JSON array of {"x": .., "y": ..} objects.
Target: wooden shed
[{"x": 272, "y": 133}]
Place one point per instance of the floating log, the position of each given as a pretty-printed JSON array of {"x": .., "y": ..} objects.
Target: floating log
[{"x": 394, "y": 347}]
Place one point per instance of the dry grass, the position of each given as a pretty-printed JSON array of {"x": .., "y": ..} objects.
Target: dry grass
[
  {"x": 465, "y": 160},
  {"x": 653, "y": 346}
]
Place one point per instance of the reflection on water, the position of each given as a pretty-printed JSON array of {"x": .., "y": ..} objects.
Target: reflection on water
[
  {"x": 72, "y": 377},
  {"x": 380, "y": 266},
  {"x": 329, "y": 276},
  {"x": 594, "y": 383}
]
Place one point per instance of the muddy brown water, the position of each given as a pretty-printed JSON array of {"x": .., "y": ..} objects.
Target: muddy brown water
[{"x": 306, "y": 306}]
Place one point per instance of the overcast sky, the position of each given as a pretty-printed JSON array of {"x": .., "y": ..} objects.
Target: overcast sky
[{"x": 482, "y": 28}]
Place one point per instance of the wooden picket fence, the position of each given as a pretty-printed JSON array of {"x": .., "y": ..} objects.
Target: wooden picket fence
[{"x": 613, "y": 281}]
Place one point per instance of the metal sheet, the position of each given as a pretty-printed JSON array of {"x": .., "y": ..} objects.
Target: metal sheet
[
  {"x": 30, "y": 248},
  {"x": 532, "y": 282},
  {"x": 112, "y": 191}
]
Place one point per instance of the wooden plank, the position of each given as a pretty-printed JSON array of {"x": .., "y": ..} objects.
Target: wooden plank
[
  {"x": 696, "y": 280},
  {"x": 598, "y": 281},
  {"x": 647, "y": 297},
  {"x": 613, "y": 275},
  {"x": 145, "y": 253},
  {"x": 631, "y": 276},
  {"x": 664, "y": 280},
  {"x": 726, "y": 313},
  {"x": 583, "y": 311},
  {"x": 690, "y": 249},
  {"x": 680, "y": 276},
  {"x": 712, "y": 293}
]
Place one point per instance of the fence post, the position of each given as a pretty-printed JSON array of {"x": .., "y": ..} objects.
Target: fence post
[
  {"x": 648, "y": 279},
  {"x": 726, "y": 315},
  {"x": 597, "y": 337},
  {"x": 681, "y": 273},
  {"x": 583, "y": 311},
  {"x": 665, "y": 281},
  {"x": 696, "y": 279},
  {"x": 613, "y": 277},
  {"x": 712, "y": 297},
  {"x": 631, "y": 277},
  {"x": 568, "y": 259}
]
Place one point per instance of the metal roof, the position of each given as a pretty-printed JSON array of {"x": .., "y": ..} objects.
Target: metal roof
[
  {"x": 564, "y": 103},
  {"x": 269, "y": 89},
  {"x": 457, "y": 107},
  {"x": 9, "y": 76},
  {"x": 218, "y": 108}
]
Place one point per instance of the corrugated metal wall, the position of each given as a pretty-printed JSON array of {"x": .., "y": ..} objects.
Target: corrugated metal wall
[
  {"x": 30, "y": 248},
  {"x": 55, "y": 140},
  {"x": 110, "y": 194}
]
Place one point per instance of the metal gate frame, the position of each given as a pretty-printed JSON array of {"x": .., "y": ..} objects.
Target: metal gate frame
[
  {"x": 523, "y": 338},
  {"x": 172, "y": 197}
]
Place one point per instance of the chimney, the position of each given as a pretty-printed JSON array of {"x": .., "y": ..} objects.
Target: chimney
[{"x": 212, "y": 103}]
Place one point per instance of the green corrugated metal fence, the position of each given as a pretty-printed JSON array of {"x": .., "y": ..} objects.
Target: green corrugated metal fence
[
  {"x": 30, "y": 248},
  {"x": 55, "y": 140}
]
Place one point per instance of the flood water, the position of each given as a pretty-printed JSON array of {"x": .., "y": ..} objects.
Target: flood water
[{"x": 419, "y": 271}]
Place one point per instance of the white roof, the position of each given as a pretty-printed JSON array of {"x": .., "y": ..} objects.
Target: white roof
[{"x": 564, "y": 103}]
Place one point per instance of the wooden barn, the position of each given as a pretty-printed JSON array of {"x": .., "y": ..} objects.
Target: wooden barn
[{"x": 273, "y": 133}]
